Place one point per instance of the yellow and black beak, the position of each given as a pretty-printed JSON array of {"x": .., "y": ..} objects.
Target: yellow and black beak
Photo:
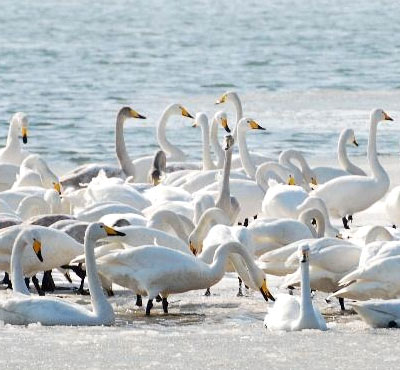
[
  {"x": 224, "y": 123},
  {"x": 135, "y": 114},
  {"x": 291, "y": 180},
  {"x": 24, "y": 135},
  {"x": 314, "y": 181},
  {"x": 255, "y": 126},
  {"x": 387, "y": 117},
  {"x": 265, "y": 292},
  {"x": 37, "y": 248},
  {"x": 185, "y": 113},
  {"x": 355, "y": 142},
  {"x": 112, "y": 232},
  {"x": 57, "y": 187},
  {"x": 221, "y": 100}
]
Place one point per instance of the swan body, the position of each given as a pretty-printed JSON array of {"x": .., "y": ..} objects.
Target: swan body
[
  {"x": 392, "y": 205},
  {"x": 290, "y": 313},
  {"x": 24, "y": 310},
  {"x": 379, "y": 313},
  {"x": 12, "y": 152},
  {"x": 342, "y": 195},
  {"x": 8, "y": 176}
]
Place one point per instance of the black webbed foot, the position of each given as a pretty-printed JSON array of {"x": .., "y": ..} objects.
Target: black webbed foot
[{"x": 207, "y": 293}]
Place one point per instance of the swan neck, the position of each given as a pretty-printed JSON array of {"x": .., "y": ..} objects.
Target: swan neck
[
  {"x": 239, "y": 114},
  {"x": 279, "y": 173},
  {"x": 122, "y": 154},
  {"x": 247, "y": 163},
  {"x": 31, "y": 206},
  {"x": 207, "y": 162},
  {"x": 224, "y": 198},
  {"x": 377, "y": 170},
  {"x": 12, "y": 137},
  {"x": 216, "y": 146},
  {"x": 306, "y": 303},
  {"x": 99, "y": 301},
  {"x": 17, "y": 274},
  {"x": 209, "y": 219}
]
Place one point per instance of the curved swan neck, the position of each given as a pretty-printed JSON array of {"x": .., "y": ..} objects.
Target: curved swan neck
[
  {"x": 173, "y": 153},
  {"x": 32, "y": 205},
  {"x": 122, "y": 154},
  {"x": 215, "y": 143},
  {"x": 247, "y": 163},
  {"x": 210, "y": 218},
  {"x": 224, "y": 198},
  {"x": 99, "y": 301},
  {"x": 279, "y": 172},
  {"x": 306, "y": 217},
  {"x": 343, "y": 158},
  {"x": 164, "y": 218},
  {"x": 17, "y": 274}
]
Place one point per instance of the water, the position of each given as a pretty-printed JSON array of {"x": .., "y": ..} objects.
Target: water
[{"x": 309, "y": 69}]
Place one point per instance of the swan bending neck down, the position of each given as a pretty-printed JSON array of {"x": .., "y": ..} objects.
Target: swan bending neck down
[
  {"x": 291, "y": 314},
  {"x": 347, "y": 137},
  {"x": 23, "y": 310}
]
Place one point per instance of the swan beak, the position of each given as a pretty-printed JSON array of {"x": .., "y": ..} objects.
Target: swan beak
[
  {"x": 255, "y": 126},
  {"x": 291, "y": 180},
  {"x": 37, "y": 248},
  {"x": 355, "y": 142},
  {"x": 339, "y": 236},
  {"x": 314, "y": 181},
  {"x": 24, "y": 135},
  {"x": 387, "y": 117},
  {"x": 265, "y": 292},
  {"x": 135, "y": 114},
  {"x": 221, "y": 100},
  {"x": 57, "y": 187},
  {"x": 185, "y": 113},
  {"x": 192, "y": 248},
  {"x": 224, "y": 123},
  {"x": 112, "y": 232}
]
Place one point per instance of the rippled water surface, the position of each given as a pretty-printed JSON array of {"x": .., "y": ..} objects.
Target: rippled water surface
[{"x": 311, "y": 69}]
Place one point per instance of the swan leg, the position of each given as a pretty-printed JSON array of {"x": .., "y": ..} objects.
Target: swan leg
[
  {"x": 246, "y": 222},
  {"x": 341, "y": 302},
  {"x": 392, "y": 324},
  {"x": 394, "y": 226},
  {"x": 350, "y": 218},
  {"x": 255, "y": 217},
  {"x": 158, "y": 298},
  {"x": 110, "y": 292},
  {"x": 35, "y": 282},
  {"x": 165, "y": 305},
  {"x": 27, "y": 281},
  {"x": 239, "y": 293},
  {"x": 207, "y": 293},
  {"x": 6, "y": 279},
  {"x": 345, "y": 223},
  {"x": 139, "y": 302},
  {"x": 67, "y": 276},
  {"x": 149, "y": 307},
  {"x": 48, "y": 282}
]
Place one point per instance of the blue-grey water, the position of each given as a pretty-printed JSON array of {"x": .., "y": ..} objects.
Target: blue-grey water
[{"x": 303, "y": 69}]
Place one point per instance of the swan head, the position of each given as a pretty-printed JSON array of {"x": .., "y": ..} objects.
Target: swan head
[
  {"x": 304, "y": 253},
  {"x": 159, "y": 166},
  {"x": 291, "y": 180},
  {"x": 228, "y": 142},
  {"x": 378, "y": 115},
  {"x": 178, "y": 110},
  {"x": 261, "y": 282},
  {"x": 20, "y": 120},
  {"x": 222, "y": 118},
  {"x": 195, "y": 246},
  {"x": 227, "y": 96},
  {"x": 249, "y": 124},
  {"x": 127, "y": 112},
  {"x": 201, "y": 119},
  {"x": 352, "y": 138},
  {"x": 98, "y": 230},
  {"x": 32, "y": 237}
]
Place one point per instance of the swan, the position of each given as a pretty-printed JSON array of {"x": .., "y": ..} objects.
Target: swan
[
  {"x": 12, "y": 152},
  {"x": 379, "y": 313},
  {"x": 342, "y": 195},
  {"x": 96, "y": 211},
  {"x": 219, "y": 118},
  {"x": 392, "y": 206},
  {"x": 325, "y": 174},
  {"x": 291, "y": 313},
  {"x": 377, "y": 279},
  {"x": 288, "y": 201},
  {"x": 24, "y": 310},
  {"x": 150, "y": 270},
  {"x": 34, "y": 171}
]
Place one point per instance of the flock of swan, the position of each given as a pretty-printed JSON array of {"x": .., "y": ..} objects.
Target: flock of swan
[{"x": 177, "y": 226}]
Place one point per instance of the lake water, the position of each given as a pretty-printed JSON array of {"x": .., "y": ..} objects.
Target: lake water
[{"x": 303, "y": 71}]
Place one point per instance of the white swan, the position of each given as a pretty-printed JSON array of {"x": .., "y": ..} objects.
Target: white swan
[
  {"x": 12, "y": 152},
  {"x": 24, "y": 310},
  {"x": 392, "y": 206},
  {"x": 219, "y": 118},
  {"x": 379, "y": 313},
  {"x": 152, "y": 270},
  {"x": 291, "y": 313},
  {"x": 342, "y": 195},
  {"x": 34, "y": 171},
  {"x": 288, "y": 201}
]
